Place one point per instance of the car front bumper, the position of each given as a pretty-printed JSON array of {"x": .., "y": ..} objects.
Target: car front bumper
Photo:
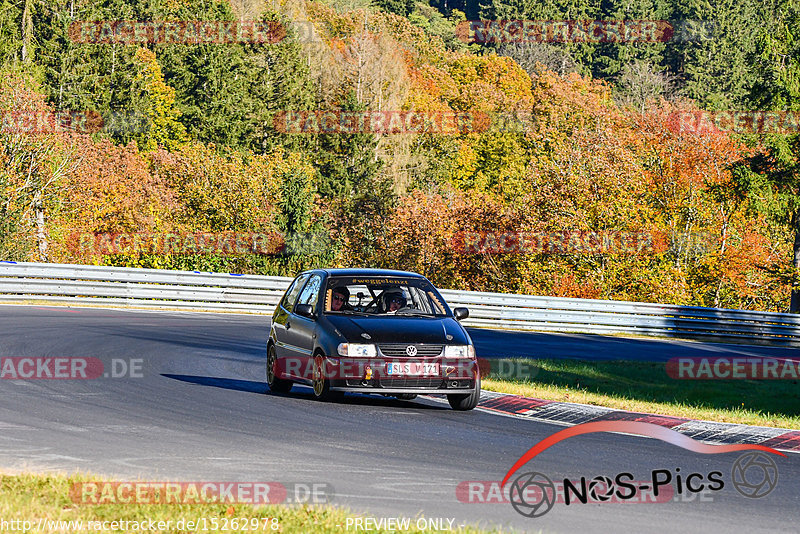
[
  {"x": 370, "y": 375},
  {"x": 398, "y": 391}
]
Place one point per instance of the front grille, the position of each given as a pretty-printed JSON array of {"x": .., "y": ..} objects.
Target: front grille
[
  {"x": 398, "y": 350},
  {"x": 412, "y": 382}
]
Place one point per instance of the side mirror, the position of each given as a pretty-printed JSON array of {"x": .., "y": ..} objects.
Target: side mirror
[
  {"x": 460, "y": 313},
  {"x": 304, "y": 310}
]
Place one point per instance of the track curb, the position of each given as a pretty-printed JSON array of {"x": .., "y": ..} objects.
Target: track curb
[{"x": 569, "y": 414}]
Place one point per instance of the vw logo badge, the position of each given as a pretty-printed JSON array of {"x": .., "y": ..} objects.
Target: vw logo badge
[{"x": 411, "y": 350}]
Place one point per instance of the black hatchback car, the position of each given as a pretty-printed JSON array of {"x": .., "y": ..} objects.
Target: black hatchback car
[{"x": 371, "y": 331}]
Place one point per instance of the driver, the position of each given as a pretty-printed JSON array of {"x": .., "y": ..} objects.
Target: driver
[
  {"x": 393, "y": 300},
  {"x": 339, "y": 298}
]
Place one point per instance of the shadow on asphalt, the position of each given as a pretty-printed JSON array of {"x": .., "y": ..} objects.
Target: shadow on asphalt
[
  {"x": 250, "y": 386},
  {"x": 225, "y": 383}
]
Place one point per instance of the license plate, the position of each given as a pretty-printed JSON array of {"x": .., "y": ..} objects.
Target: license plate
[{"x": 412, "y": 369}]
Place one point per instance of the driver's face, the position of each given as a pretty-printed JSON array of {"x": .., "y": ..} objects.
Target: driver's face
[
  {"x": 337, "y": 301},
  {"x": 395, "y": 304}
]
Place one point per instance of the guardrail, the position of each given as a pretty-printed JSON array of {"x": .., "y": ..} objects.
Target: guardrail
[{"x": 154, "y": 288}]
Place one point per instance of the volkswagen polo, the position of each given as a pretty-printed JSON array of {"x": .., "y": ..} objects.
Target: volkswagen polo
[{"x": 371, "y": 331}]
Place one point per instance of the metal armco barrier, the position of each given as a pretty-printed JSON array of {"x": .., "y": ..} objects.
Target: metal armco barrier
[{"x": 189, "y": 290}]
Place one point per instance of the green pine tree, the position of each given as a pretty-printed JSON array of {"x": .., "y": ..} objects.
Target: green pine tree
[{"x": 776, "y": 188}]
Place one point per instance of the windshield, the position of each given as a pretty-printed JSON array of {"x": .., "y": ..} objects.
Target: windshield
[{"x": 383, "y": 296}]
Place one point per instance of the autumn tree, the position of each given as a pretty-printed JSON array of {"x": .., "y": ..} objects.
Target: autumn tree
[
  {"x": 37, "y": 154},
  {"x": 640, "y": 83},
  {"x": 156, "y": 101},
  {"x": 533, "y": 56}
]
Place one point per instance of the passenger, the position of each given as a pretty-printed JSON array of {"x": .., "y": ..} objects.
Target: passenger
[{"x": 393, "y": 300}]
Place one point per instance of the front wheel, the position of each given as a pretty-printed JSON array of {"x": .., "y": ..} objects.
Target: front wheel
[
  {"x": 321, "y": 384},
  {"x": 276, "y": 385},
  {"x": 469, "y": 401}
]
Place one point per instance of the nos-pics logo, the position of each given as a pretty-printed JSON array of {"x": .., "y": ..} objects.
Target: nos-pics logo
[{"x": 532, "y": 494}]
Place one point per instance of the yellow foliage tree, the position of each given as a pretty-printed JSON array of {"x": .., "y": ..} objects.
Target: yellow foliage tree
[{"x": 156, "y": 100}]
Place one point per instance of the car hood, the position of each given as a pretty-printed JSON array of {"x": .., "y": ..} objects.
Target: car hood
[{"x": 399, "y": 329}]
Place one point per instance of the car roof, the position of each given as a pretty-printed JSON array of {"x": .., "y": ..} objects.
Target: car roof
[{"x": 370, "y": 272}]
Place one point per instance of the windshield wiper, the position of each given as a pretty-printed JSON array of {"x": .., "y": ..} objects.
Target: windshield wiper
[{"x": 416, "y": 313}]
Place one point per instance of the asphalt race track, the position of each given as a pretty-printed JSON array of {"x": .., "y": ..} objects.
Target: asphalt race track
[{"x": 201, "y": 412}]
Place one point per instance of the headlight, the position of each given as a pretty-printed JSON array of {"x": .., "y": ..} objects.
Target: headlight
[
  {"x": 357, "y": 350},
  {"x": 459, "y": 351}
]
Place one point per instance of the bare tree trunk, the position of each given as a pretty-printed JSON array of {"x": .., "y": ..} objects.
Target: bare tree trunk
[
  {"x": 721, "y": 253},
  {"x": 41, "y": 234},
  {"x": 27, "y": 30}
]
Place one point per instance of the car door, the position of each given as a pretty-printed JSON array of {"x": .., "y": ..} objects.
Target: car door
[
  {"x": 281, "y": 317},
  {"x": 301, "y": 331}
]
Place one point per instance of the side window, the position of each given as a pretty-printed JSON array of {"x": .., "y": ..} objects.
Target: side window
[
  {"x": 419, "y": 300},
  {"x": 438, "y": 307},
  {"x": 291, "y": 295},
  {"x": 310, "y": 293}
]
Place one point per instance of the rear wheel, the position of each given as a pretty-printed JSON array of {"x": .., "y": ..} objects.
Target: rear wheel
[
  {"x": 468, "y": 401},
  {"x": 276, "y": 385},
  {"x": 320, "y": 382}
]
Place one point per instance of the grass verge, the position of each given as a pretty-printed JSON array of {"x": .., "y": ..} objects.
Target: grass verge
[
  {"x": 646, "y": 387},
  {"x": 46, "y": 498}
]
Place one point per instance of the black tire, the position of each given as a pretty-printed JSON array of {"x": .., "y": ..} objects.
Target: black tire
[
  {"x": 406, "y": 396},
  {"x": 468, "y": 401},
  {"x": 276, "y": 385},
  {"x": 320, "y": 383}
]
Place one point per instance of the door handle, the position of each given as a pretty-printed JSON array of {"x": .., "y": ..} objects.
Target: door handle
[{"x": 288, "y": 325}]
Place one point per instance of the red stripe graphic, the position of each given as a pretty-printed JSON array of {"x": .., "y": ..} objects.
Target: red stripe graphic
[
  {"x": 632, "y": 427},
  {"x": 789, "y": 440}
]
